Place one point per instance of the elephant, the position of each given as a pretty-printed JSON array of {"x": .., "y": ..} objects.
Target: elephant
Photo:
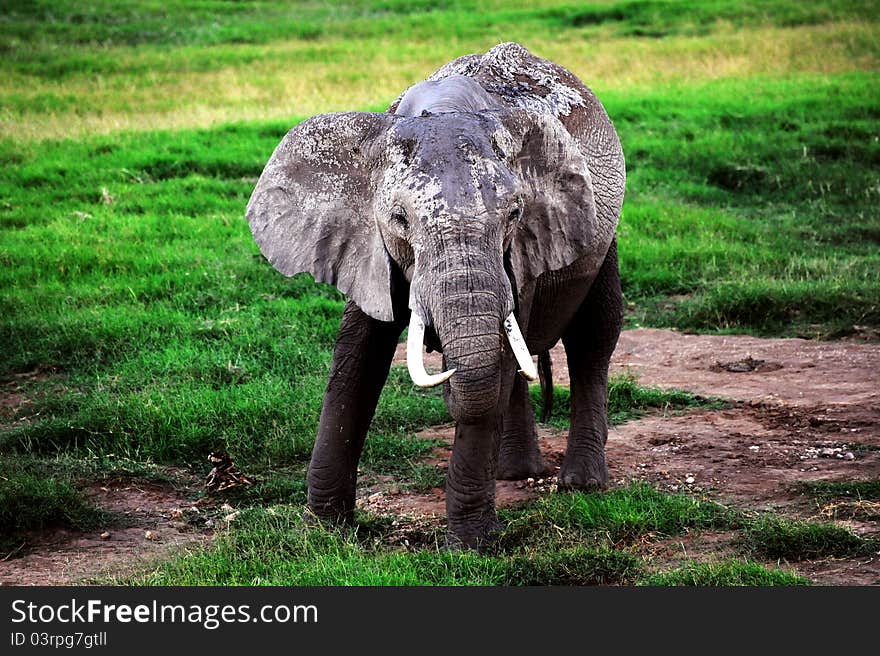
[{"x": 480, "y": 211}]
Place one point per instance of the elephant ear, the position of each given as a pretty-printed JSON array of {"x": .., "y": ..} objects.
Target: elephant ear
[
  {"x": 312, "y": 207},
  {"x": 558, "y": 224}
]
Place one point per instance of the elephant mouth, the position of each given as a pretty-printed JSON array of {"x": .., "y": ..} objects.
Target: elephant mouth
[{"x": 415, "y": 352}]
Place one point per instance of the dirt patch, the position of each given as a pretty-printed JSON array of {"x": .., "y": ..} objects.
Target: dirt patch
[
  {"x": 802, "y": 411},
  {"x": 16, "y": 394},
  {"x": 796, "y": 372},
  {"x": 155, "y": 520}
]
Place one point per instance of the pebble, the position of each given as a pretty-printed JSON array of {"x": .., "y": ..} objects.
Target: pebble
[
  {"x": 105, "y": 535},
  {"x": 150, "y": 535}
]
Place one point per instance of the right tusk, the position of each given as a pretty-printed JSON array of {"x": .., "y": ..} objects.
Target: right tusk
[
  {"x": 519, "y": 348},
  {"x": 415, "y": 360}
]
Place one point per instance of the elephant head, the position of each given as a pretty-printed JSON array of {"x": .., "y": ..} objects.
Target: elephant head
[{"x": 468, "y": 205}]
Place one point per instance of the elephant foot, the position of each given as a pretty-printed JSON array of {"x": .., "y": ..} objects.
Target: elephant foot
[
  {"x": 517, "y": 465},
  {"x": 586, "y": 475},
  {"x": 480, "y": 537},
  {"x": 332, "y": 511}
]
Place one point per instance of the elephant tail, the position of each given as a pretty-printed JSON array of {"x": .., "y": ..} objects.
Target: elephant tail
[{"x": 545, "y": 375}]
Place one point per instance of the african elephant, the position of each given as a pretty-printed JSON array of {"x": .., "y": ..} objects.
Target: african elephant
[{"x": 481, "y": 212}]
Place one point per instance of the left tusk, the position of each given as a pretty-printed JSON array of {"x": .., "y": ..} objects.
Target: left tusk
[
  {"x": 520, "y": 350},
  {"x": 415, "y": 351}
]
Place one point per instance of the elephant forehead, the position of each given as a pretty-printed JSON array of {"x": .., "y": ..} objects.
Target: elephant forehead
[
  {"x": 442, "y": 135},
  {"x": 458, "y": 187},
  {"x": 449, "y": 160}
]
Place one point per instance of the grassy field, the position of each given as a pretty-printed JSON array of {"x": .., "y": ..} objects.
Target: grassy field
[{"x": 139, "y": 322}]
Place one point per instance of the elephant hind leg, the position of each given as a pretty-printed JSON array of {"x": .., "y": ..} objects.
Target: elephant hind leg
[
  {"x": 518, "y": 454},
  {"x": 589, "y": 341}
]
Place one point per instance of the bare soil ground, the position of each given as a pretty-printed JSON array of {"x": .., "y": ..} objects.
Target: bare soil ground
[
  {"x": 158, "y": 520},
  {"x": 798, "y": 410}
]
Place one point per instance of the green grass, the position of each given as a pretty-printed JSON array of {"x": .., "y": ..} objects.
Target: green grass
[
  {"x": 626, "y": 400},
  {"x": 825, "y": 491},
  {"x": 139, "y": 325},
  {"x": 757, "y": 216},
  {"x": 780, "y": 538},
  {"x": 620, "y": 516},
  {"x": 561, "y": 539},
  {"x": 726, "y": 573},
  {"x": 34, "y": 496},
  {"x": 274, "y": 547},
  {"x": 34, "y": 31}
]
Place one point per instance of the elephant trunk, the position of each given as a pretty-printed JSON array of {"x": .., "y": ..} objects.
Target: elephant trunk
[
  {"x": 474, "y": 389},
  {"x": 468, "y": 306}
]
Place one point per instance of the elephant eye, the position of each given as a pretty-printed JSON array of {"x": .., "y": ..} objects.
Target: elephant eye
[
  {"x": 398, "y": 219},
  {"x": 515, "y": 214}
]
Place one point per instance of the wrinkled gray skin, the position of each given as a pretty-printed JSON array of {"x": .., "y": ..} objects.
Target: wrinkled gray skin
[{"x": 494, "y": 186}]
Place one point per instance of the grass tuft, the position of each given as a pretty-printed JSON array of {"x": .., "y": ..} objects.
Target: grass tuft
[
  {"x": 627, "y": 400},
  {"x": 726, "y": 573},
  {"x": 828, "y": 490},
  {"x": 779, "y": 538},
  {"x": 32, "y": 499},
  {"x": 621, "y": 515}
]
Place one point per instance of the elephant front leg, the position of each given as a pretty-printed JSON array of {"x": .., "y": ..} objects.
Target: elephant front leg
[
  {"x": 470, "y": 485},
  {"x": 589, "y": 342},
  {"x": 519, "y": 456},
  {"x": 361, "y": 361}
]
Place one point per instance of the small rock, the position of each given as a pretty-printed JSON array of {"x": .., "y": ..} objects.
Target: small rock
[
  {"x": 849, "y": 456},
  {"x": 689, "y": 480},
  {"x": 151, "y": 535},
  {"x": 105, "y": 535},
  {"x": 754, "y": 447},
  {"x": 209, "y": 523}
]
